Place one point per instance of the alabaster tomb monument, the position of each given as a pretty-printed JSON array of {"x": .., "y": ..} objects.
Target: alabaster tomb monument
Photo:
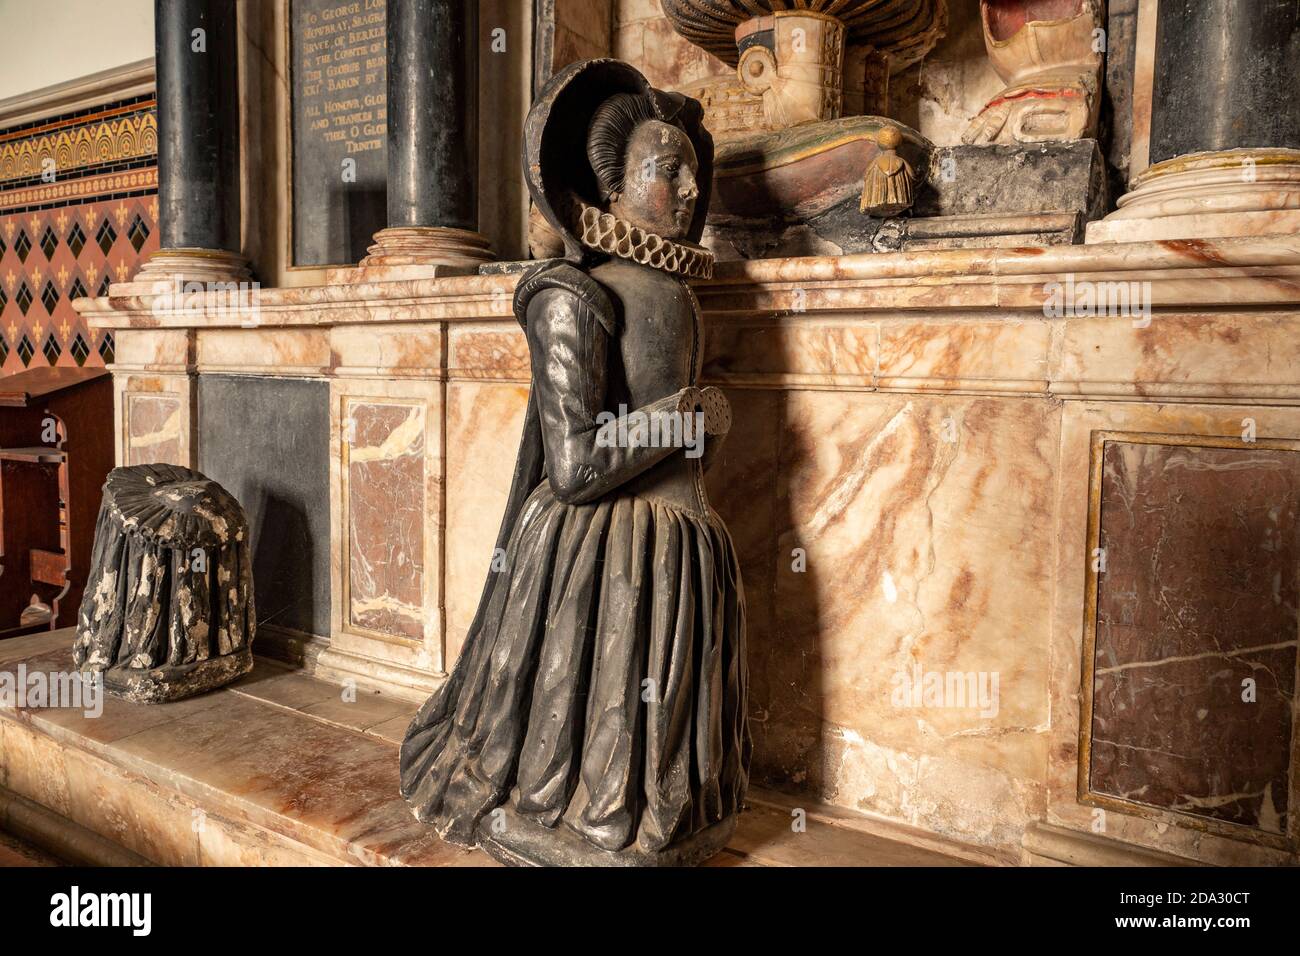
[{"x": 655, "y": 422}]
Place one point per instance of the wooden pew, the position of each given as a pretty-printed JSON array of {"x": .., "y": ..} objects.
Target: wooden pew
[{"x": 56, "y": 449}]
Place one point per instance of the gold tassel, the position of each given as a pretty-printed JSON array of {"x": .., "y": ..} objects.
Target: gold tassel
[{"x": 887, "y": 187}]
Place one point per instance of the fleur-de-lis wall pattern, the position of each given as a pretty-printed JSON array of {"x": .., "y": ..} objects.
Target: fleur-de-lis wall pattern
[{"x": 78, "y": 211}]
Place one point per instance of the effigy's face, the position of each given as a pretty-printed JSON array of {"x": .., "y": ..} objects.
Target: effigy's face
[{"x": 659, "y": 185}]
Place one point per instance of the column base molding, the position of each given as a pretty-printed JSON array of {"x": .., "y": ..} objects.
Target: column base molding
[
  {"x": 166, "y": 267},
  {"x": 421, "y": 252},
  {"x": 1212, "y": 195}
]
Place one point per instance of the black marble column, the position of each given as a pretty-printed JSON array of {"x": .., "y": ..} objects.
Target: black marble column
[
  {"x": 433, "y": 113},
  {"x": 1227, "y": 76},
  {"x": 198, "y": 124}
]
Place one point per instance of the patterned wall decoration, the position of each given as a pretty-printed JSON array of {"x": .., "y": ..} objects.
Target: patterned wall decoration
[{"x": 73, "y": 236}]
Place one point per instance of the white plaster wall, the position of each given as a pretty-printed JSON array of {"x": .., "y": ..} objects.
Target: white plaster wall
[{"x": 47, "y": 42}]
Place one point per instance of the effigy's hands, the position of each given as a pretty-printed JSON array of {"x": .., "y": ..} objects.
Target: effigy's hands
[
  {"x": 987, "y": 126},
  {"x": 717, "y": 411}
]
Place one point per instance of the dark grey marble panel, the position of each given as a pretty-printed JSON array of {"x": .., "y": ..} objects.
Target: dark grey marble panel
[{"x": 267, "y": 441}]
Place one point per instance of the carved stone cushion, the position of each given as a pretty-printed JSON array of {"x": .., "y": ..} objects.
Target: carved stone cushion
[{"x": 168, "y": 610}]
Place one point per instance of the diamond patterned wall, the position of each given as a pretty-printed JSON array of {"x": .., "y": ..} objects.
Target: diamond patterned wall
[{"x": 78, "y": 211}]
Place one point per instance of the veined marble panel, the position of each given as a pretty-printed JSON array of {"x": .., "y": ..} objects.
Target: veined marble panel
[
  {"x": 391, "y": 350},
  {"x": 154, "y": 429},
  {"x": 1070, "y": 804},
  {"x": 975, "y": 352},
  {"x": 490, "y": 351},
  {"x": 160, "y": 350},
  {"x": 279, "y": 350},
  {"x": 1181, "y": 355},
  {"x": 385, "y": 452},
  {"x": 794, "y": 350},
  {"x": 1194, "y": 659},
  {"x": 484, "y": 422},
  {"x": 884, "y": 539},
  {"x": 386, "y": 534}
]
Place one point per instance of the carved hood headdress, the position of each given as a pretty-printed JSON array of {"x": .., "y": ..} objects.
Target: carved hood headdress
[{"x": 559, "y": 176}]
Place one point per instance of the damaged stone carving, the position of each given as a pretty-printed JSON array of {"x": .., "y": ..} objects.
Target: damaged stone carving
[
  {"x": 1048, "y": 52},
  {"x": 800, "y": 170},
  {"x": 168, "y": 611}
]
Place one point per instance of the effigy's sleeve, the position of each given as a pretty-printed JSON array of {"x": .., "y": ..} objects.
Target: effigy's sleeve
[{"x": 587, "y": 454}]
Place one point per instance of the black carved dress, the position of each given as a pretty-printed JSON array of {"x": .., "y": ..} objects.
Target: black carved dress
[{"x": 601, "y": 693}]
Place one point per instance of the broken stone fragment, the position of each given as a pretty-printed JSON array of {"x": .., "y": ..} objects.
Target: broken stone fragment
[{"x": 161, "y": 623}]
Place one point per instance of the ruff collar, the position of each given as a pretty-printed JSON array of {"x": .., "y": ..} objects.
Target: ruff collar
[{"x": 606, "y": 233}]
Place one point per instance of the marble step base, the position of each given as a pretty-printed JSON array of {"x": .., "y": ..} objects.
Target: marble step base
[
  {"x": 16, "y": 851},
  {"x": 283, "y": 769},
  {"x": 1049, "y": 845},
  {"x": 1207, "y": 225},
  {"x": 33, "y": 835}
]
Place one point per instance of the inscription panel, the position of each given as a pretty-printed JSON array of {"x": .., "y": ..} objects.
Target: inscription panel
[{"x": 339, "y": 116}]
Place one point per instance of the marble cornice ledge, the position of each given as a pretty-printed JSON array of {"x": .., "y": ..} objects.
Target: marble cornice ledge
[
  {"x": 1223, "y": 325},
  {"x": 1198, "y": 273},
  {"x": 133, "y": 305},
  {"x": 1259, "y": 271}
]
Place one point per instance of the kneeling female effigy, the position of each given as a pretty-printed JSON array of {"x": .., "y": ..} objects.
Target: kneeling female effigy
[{"x": 597, "y": 712}]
